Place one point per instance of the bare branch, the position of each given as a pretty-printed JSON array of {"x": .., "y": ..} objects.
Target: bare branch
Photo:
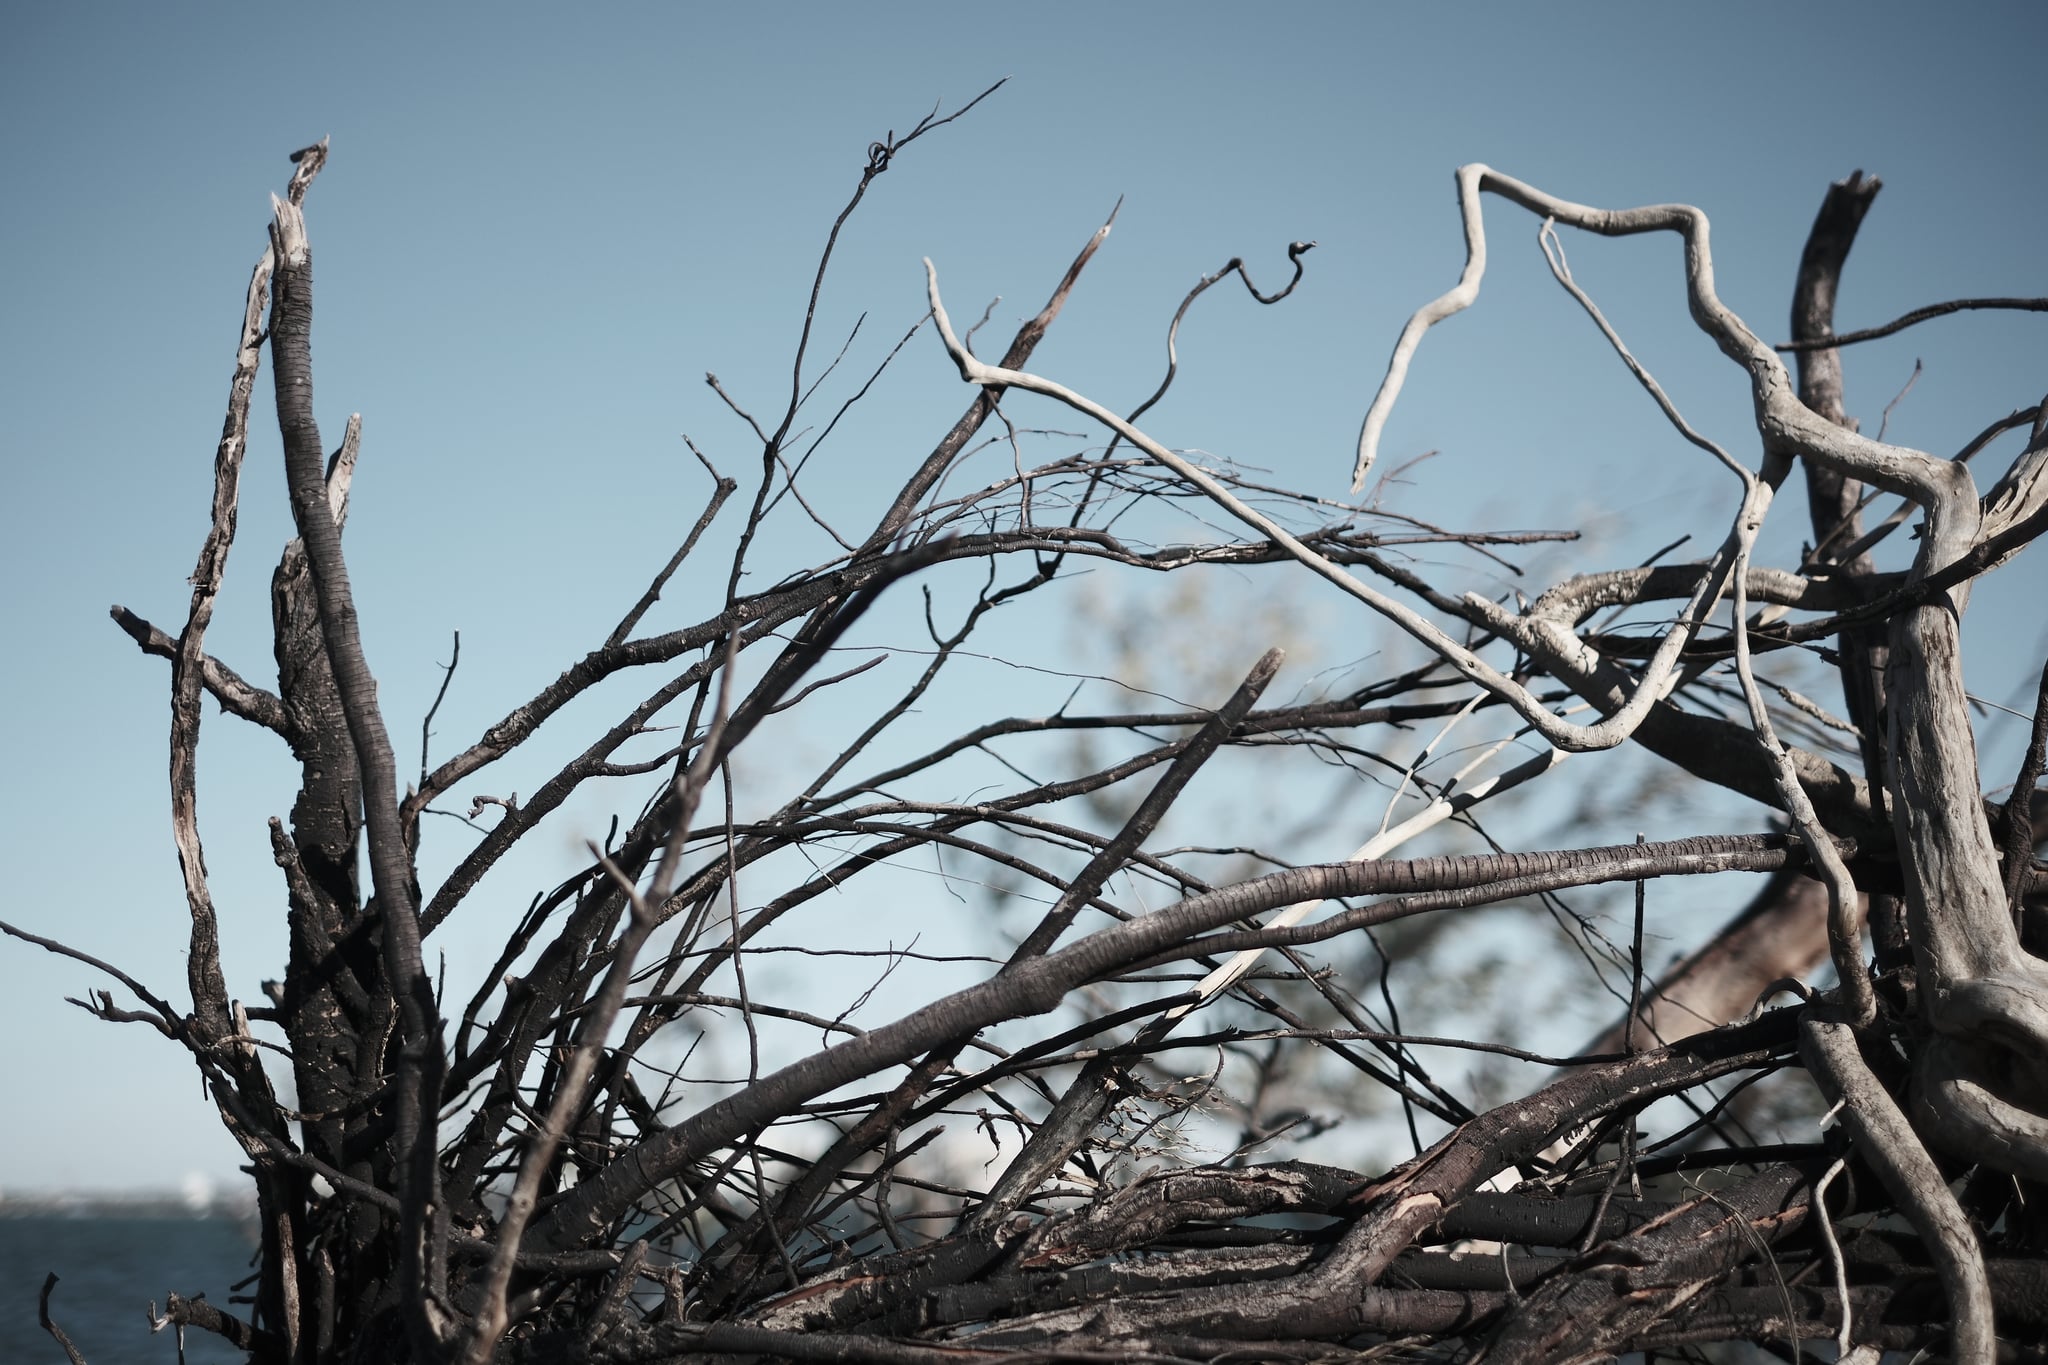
[
  {"x": 49, "y": 1324},
  {"x": 440, "y": 695},
  {"x": 236, "y": 695},
  {"x": 420, "y": 1058},
  {"x": 1889, "y": 1143},
  {"x": 1918, "y": 315},
  {"x": 2018, "y": 851},
  {"x": 765, "y": 1147},
  {"x": 1604, "y": 735}
]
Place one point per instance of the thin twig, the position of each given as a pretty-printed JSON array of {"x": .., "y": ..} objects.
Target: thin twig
[
  {"x": 1918, "y": 315},
  {"x": 722, "y": 488},
  {"x": 427, "y": 721},
  {"x": 1603, "y": 735}
]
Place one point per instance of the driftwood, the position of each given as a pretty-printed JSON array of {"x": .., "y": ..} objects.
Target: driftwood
[{"x": 521, "y": 1177}]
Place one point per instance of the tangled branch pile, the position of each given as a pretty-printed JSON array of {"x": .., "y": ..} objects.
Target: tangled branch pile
[{"x": 537, "y": 1174}]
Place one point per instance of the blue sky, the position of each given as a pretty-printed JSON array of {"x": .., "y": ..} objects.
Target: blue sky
[{"x": 542, "y": 225}]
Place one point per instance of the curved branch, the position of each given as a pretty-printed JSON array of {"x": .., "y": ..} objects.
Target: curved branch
[
  {"x": 1963, "y": 937},
  {"x": 1888, "y": 1142},
  {"x": 1235, "y": 265},
  {"x": 1786, "y": 424},
  {"x": 1918, "y": 315},
  {"x": 1576, "y": 738}
]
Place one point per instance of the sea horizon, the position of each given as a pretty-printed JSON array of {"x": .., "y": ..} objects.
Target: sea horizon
[{"x": 116, "y": 1255}]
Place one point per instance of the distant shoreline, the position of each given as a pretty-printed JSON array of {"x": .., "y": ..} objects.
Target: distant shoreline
[{"x": 230, "y": 1207}]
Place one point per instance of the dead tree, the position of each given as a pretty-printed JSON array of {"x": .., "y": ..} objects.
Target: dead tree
[{"x": 534, "y": 1174}]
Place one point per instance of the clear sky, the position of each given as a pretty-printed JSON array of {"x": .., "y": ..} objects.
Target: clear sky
[{"x": 542, "y": 224}]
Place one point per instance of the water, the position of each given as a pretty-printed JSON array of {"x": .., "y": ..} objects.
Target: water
[{"x": 109, "y": 1268}]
